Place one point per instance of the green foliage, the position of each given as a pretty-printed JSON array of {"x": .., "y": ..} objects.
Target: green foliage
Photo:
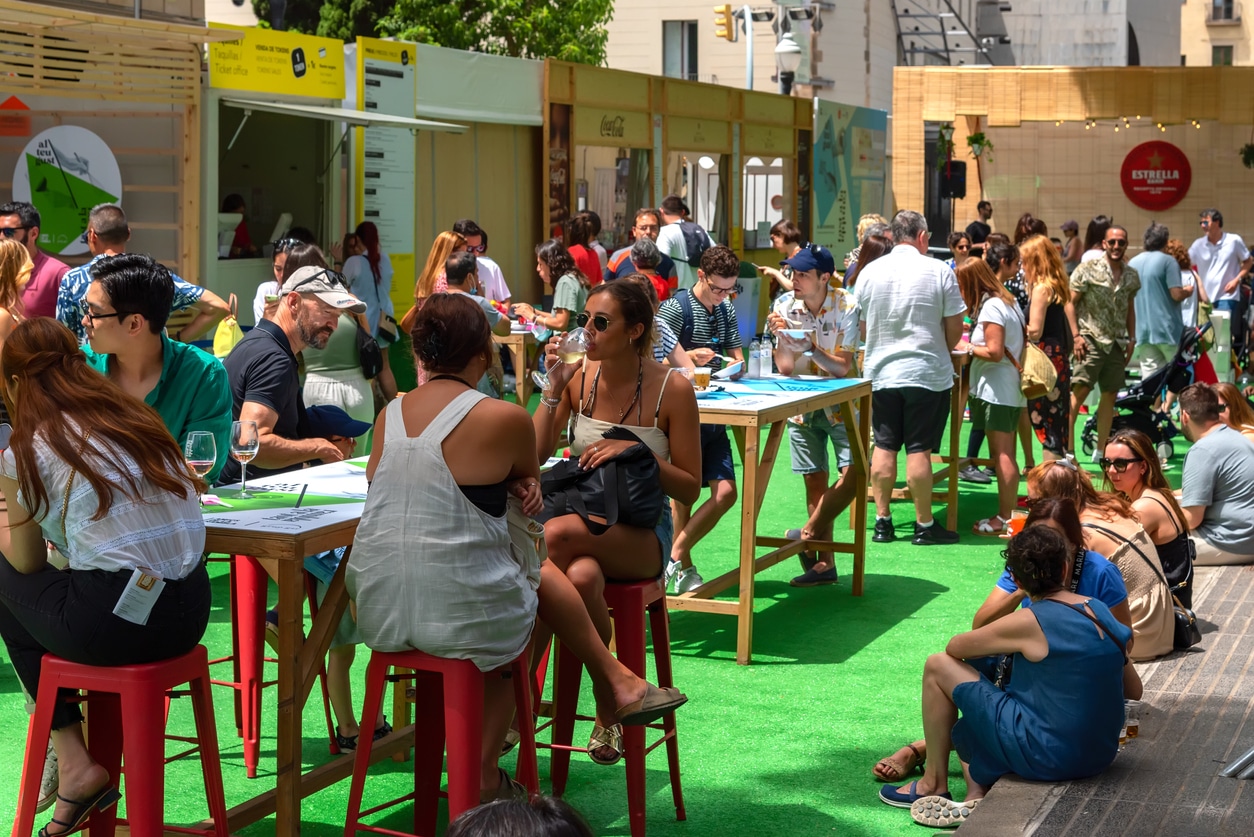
[{"x": 570, "y": 30}]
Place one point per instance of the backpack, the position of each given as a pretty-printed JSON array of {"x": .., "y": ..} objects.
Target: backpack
[
  {"x": 696, "y": 242},
  {"x": 689, "y": 323}
]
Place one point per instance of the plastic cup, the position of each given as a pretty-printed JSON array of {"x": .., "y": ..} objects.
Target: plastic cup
[
  {"x": 701, "y": 377},
  {"x": 1015, "y": 525},
  {"x": 1132, "y": 722}
]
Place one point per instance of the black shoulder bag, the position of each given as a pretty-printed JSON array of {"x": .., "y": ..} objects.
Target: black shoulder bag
[
  {"x": 369, "y": 355},
  {"x": 1187, "y": 633},
  {"x": 625, "y": 489}
]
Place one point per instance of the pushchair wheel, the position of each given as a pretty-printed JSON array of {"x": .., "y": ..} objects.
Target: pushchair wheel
[
  {"x": 1088, "y": 444},
  {"x": 1166, "y": 450}
]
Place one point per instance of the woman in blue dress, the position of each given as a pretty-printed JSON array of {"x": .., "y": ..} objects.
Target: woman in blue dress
[{"x": 1059, "y": 716}]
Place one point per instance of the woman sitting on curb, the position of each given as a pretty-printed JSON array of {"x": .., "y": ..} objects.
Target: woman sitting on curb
[
  {"x": 1087, "y": 574},
  {"x": 1058, "y": 718}
]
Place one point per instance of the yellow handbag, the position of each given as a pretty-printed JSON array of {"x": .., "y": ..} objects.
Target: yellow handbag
[{"x": 228, "y": 332}]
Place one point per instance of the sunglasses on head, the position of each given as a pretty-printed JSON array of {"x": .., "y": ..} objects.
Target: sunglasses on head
[
  {"x": 282, "y": 245},
  {"x": 600, "y": 322},
  {"x": 332, "y": 278},
  {"x": 1120, "y": 464}
]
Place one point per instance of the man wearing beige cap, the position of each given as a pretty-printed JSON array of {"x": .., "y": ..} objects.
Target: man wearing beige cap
[{"x": 265, "y": 386}]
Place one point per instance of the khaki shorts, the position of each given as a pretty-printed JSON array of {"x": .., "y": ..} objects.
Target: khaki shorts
[
  {"x": 1102, "y": 367},
  {"x": 995, "y": 417}
]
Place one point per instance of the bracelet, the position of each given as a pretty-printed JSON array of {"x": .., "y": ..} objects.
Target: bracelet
[{"x": 551, "y": 403}]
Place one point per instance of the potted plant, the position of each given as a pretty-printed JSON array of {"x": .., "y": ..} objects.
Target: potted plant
[
  {"x": 1247, "y": 155},
  {"x": 944, "y": 145},
  {"x": 981, "y": 146}
]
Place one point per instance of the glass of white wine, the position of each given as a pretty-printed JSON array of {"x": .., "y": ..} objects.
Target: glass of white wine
[
  {"x": 570, "y": 349},
  {"x": 244, "y": 444},
  {"x": 201, "y": 452}
]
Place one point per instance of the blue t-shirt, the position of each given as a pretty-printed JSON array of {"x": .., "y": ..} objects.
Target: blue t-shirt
[
  {"x": 1099, "y": 580},
  {"x": 1157, "y": 314}
]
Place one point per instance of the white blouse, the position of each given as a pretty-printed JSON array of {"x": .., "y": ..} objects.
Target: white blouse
[{"x": 161, "y": 532}]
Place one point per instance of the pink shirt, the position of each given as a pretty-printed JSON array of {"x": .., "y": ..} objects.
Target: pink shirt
[{"x": 40, "y": 294}]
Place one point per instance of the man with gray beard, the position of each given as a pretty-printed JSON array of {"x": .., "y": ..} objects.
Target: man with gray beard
[{"x": 265, "y": 386}]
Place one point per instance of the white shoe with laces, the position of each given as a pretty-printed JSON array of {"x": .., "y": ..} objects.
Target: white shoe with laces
[
  {"x": 688, "y": 581},
  {"x": 50, "y": 783},
  {"x": 668, "y": 576}
]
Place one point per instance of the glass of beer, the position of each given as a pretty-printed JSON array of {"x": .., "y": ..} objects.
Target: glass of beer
[{"x": 701, "y": 377}]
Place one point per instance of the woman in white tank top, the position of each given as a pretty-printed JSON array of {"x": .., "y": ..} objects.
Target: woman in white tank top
[{"x": 618, "y": 385}]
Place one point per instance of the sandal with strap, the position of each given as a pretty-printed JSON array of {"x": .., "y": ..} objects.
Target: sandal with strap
[
  {"x": 606, "y": 738},
  {"x": 508, "y": 789},
  {"x": 655, "y": 704},
  {"x": 105, "y": 799},
  {"x": 899, "y": 771},
  {"x": 988, "y": 529}
]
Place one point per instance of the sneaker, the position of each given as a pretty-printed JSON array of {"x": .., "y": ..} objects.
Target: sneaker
[
  {"x": 50, "y": 783},
  {"x": 687, "y": 581},
  {"x": 933, "y": 535},
  {"x": 814, "y": 579},
  {"x": 970, "y": 473},
  {"x": 991, "y": 471},
  {"x": 884, "y": 531},
  {"x": 672, "y": 570}
]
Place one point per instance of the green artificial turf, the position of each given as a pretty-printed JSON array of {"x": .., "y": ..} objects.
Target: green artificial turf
[{"x": 784, "y": 746}]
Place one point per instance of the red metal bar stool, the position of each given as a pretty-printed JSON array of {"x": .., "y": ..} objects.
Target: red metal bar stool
[
  {"x": 628, "y": 603},
  {"x": 455, "y": 717},
  {"x": 249, "y": 583},
  {"x": 123, "y": 703}
]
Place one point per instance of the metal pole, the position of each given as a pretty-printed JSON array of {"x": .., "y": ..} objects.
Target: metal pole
[
  {"x": 748, "y": 18},
  {"x": 1238, "y": 764}
]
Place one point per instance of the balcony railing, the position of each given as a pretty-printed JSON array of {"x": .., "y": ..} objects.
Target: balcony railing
[{"x": 1223, "y": 14}]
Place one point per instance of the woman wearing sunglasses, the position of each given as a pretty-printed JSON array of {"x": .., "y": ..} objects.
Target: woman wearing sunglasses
[
  {"x": 1111, "y": 528},
  {"x": 1130, "y": 466},
  {"x": 960, "y": 246},
  {"x": 1234, "y": 410},
  {"x": 618, "y": 386}
]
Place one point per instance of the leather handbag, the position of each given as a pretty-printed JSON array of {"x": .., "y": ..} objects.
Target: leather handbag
[
  {"x": 1037, "y": 375},
  {"x": 625, "y": 489}
]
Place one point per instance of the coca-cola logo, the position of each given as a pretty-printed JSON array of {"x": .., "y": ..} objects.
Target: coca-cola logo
[{"x": 611, "y": 127}]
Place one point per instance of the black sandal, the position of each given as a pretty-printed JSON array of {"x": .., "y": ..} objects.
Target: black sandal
[{"x": 105, "y": 799}]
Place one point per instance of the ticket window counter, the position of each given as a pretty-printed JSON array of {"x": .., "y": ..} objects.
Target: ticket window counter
[
  {"x": 763, "y": 201},
  {"x": 701, "y": 181},
  {"x": 614, "y": 183}
]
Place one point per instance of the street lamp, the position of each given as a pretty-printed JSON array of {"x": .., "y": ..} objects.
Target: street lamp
[{"x": 788, "y": 57}]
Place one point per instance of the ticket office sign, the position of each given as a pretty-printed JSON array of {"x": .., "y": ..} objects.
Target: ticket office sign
[{"x": 283, "y": 63}]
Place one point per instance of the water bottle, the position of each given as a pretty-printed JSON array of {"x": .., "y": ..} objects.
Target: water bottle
[
  {"x": 753, "y": 363},
  {"x": 766, "y": 357}
]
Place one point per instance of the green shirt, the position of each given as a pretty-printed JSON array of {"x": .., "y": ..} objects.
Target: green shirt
[
  {"x": 192, "y": 394},
  {"x": 1102, "y": 309},
  {"x": 570, "y": 294}
]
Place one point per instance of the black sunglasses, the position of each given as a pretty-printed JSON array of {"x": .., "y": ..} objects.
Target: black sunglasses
[
  {"x": 1120, "y": 464},
  {"x": 11, "y": 232},
  {"x": 600, "y": 322},
  {"x": 1117, "y": 242},
  {"x": 283, "y": 245}
]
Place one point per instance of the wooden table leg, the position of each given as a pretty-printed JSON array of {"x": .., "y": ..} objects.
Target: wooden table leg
[
  {"x": 287, "y": 754},
  {"x": 748, "y": 544},
  {"x": 522, "y": 376},
  {"x": 955, "y": 445},
  {"x": 858, "y": 429}
]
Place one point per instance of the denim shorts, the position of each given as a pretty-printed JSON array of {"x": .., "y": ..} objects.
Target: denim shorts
[
  {"x": 665, "y": 531},
  {"x": 716, "y": 454},
  {"x": 809, "y": 444}
]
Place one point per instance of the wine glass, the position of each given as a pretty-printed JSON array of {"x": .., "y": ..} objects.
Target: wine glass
[
  {"x": 570, "y": 349},
  {"x": 244, "y": 445},
  {"x": 201, "y": 452}
]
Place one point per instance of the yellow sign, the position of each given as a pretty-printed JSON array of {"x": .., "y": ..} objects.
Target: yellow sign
[
  {"x": 396, "y": 52},
  {"x": 625, "y": 129},
  {"x": 288, "y": 63}
]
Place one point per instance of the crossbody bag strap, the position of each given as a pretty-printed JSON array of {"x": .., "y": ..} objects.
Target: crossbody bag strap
[
  {"x": 1005, "y": 349},
  {"x": 1123, "y": 652},
  {"x": 1144, "y": 557},
  {"x": 1169, "y": 514}
]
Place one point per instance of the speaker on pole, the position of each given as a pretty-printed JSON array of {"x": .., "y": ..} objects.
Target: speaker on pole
[{"x": 953, "y": 179}]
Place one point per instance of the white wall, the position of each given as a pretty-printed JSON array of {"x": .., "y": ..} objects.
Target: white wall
[
  {"x": 1157, "y": 25},
  {"x": 225, "y": 11}
]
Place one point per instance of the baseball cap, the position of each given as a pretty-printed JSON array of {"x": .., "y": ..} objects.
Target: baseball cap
[
  {"x": 813, "y": 257},
  {"x": 328, "y": 420},
  {"x": 1070, "y": 225},
  {"x": 325, "y": 284}
]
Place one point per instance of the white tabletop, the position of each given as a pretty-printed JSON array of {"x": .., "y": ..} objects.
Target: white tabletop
[{"x": 332, "y": 493}]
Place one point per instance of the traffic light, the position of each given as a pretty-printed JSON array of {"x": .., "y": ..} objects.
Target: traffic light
[{"x": 725, "y": 25}]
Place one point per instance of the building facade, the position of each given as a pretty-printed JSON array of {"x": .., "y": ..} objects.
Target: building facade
[{"x": 1215, "y": 33}]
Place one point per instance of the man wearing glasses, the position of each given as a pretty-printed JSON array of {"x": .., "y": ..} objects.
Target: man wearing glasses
[
  {"x": 265, "y": 386},
  {"x": 20, "y": 221},
  {"x": 704, "y": 318},
  {"x": 108, "y": 235},
  {"x": 1103, "y": 321},
  {"x": 1223, "y": 262},
  {"x": 648, "y": 224},
  {"x": 491, "y": 279}
]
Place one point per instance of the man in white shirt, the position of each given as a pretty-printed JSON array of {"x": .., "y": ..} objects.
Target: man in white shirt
[
  {"x": 491, "y": 280},
  {"x": 1223, "y": 262},
  {"x": 911, "y": 318},
  {"x": 670, "y": 241}
]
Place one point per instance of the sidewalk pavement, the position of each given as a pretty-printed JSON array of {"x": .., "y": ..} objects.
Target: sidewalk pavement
[{"x": 1196, "y": 719}]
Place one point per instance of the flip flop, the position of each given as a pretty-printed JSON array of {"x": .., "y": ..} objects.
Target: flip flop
[
  {"x": 655, "y": 704},
  {"x": 901, "y": 773},
  {"x": 104, "y": 799},
  {"x": 941, "y": 811},
  {"x": 611, "y": 738},
  {"x": 905, "y": 799}
]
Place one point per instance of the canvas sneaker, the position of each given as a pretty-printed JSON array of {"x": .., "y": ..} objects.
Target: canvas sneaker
[
  {"x": 668, "y": 577},
  {"x": 50, "y": 783},
  {"x": 688, "y": 580}
]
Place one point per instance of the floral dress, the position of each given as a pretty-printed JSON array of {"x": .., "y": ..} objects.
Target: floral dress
[{"x": 1051, "y": 413}]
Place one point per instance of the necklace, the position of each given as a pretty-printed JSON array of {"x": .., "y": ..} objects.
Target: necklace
[{"x": 622, "y": 413}]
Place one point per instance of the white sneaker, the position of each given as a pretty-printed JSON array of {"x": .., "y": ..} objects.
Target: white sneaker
[
  {"x": 672, "y": 570},
  {"x": 688, "y": 581},
  {"x": 50, "y": 783}
]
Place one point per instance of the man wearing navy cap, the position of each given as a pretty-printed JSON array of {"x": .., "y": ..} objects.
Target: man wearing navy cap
[{"x": 829, "y": 315}]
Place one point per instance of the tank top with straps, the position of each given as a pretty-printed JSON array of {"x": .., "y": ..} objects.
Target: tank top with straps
[{"x": 587, "y": 431}]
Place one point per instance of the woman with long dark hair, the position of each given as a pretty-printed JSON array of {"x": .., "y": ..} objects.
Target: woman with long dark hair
[
  {"x": 581, "y": 234},
  {"x": 1094, "y": 238},
  {"x": 369, "y": 277},
  {"x": 872, "y": 247},
  {"x": 571, "y": 284},
  {"x": 95, "y": 471}
]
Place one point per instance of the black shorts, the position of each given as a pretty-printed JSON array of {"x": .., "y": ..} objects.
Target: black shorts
[{"x": 909, "y": 416}]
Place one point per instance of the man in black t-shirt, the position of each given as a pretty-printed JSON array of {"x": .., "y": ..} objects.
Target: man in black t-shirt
[
  {"x": 265, "y": 386},
  {"x": 978, "y": 231}
]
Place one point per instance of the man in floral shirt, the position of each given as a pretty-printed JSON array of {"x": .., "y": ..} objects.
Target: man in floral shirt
[
  {"x": 1103, "y": 322},
  {"x": 829, "y": 315}
]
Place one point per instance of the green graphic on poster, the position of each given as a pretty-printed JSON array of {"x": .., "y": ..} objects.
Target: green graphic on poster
[
  {"x": 65, "y": 171},
  {"x": 849, "y": 172}
]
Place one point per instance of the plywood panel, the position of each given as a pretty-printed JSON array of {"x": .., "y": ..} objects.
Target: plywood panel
[
  {"x": 599, "y": 86},
  {"x": 692, "y": 99}
]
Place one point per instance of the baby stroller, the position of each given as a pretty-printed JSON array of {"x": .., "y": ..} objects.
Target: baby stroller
[{"x": 1134, "y": 406}]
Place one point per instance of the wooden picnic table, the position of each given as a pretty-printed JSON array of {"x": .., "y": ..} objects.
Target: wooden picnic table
[
  {"x": 517, "y": 342},
  {"x": 747, "y": 407}
]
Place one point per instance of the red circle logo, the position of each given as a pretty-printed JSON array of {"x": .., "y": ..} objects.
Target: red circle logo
[{"x": 1155, "y": 175}]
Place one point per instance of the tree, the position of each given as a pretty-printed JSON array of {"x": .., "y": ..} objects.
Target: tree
[{"x": 570, "y": 30}]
